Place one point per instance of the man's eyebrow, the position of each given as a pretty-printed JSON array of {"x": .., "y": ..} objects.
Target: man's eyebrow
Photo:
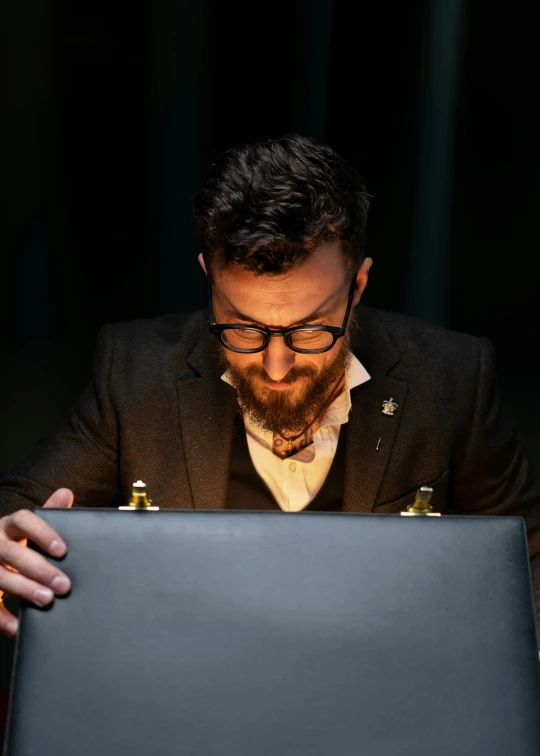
[{"x": 309, "y": 319}]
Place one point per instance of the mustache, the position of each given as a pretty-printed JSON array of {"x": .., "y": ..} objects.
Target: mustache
[{"x": 257, "y": 371}]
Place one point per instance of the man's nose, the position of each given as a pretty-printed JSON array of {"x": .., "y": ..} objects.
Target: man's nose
[{"x": 277, "y": 359}]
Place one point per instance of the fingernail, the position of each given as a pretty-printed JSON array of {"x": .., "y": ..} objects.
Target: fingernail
[
  {"x": 43, "y": 596},
  {"x": 11, "y": 627},
  {"x": 57, "y": 548},
  {"x": 61, "y": 584}
]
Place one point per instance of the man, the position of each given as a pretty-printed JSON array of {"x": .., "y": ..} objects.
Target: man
[{"x": 285, "y": 394}]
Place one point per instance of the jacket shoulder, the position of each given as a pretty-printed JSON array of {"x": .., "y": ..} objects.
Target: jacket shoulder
[
  {"x": 417, "y": 339},
  {"x": 175, "y": 328},
  {"x": 150, "y": 348}
]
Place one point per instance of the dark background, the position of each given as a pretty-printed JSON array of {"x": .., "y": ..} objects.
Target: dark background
[{"x": 111, "y": 118}]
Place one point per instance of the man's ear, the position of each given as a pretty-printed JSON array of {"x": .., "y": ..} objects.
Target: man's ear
[
  {"x": 201, "y": 263},
  {"x": 362, "y": 279}
]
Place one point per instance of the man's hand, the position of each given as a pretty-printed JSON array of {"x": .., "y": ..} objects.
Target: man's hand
[{"x": 24, "y": 572}]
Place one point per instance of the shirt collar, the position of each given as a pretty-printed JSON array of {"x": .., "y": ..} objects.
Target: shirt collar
[
  {"x": 356, "y": 374},
  {"x": 338, "y": 412}
]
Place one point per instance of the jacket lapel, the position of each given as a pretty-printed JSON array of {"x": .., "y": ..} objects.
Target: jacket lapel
[
  {"x": 368, "y": 426},
  {"x": 206, "y": 407}
]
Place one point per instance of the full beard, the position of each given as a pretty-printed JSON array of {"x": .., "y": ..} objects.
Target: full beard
[{"x": 290, "y": 411}]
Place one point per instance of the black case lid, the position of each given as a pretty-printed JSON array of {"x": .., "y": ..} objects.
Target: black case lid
[{"x": 241, "y": 633}]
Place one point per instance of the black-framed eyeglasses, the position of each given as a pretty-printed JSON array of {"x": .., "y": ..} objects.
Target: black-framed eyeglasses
[{"x": 306, "y": 339}]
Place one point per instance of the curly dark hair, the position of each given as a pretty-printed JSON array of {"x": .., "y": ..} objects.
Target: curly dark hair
[{"x": 268, "y": 204}]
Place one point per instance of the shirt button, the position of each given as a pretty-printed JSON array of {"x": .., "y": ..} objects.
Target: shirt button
[{"x": 292, "y": 466}]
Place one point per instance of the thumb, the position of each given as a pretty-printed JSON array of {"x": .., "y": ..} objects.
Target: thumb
[{"x": 62, "y": 498}]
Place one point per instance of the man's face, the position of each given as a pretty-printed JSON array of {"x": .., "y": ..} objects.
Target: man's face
[{"x": 281, "y": 389}]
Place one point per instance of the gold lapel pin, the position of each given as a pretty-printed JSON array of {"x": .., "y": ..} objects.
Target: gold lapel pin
[{"x": 389, "y": 406}]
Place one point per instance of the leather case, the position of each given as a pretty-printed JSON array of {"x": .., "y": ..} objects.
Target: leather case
[{"x": 242, "y": 633}]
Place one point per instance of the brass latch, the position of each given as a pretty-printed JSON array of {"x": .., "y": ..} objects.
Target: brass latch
[
  {"x": 139, "y": 499},
  {"x": 421, "y": 505}
]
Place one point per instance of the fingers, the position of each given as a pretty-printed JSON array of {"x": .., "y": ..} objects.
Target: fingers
[
  {"x": 8, "y": 621},
  {"x": 27, "y": 575},
  {"x": 31, "y": 567},
  {"x": 24, "y": 572},
  {"x": 62, "y": 498},
  {"x": 25, "y": 524},
  {"x": 34, "y": 592}
]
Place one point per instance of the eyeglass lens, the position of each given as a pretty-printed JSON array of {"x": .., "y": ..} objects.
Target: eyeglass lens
[{"x": 249, "y": 338}]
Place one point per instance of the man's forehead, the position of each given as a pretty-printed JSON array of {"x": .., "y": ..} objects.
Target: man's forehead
[
  {"x": 322, "y": 273},
  {"x": 268, "y": 290},
  {"x": 299, "y": 294}
]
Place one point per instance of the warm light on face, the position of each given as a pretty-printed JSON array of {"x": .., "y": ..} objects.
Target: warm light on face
[
  {"x": 278, "y": 381},
  {"x": 311, "y": 337},
  {"x": 314, "y": 293}
]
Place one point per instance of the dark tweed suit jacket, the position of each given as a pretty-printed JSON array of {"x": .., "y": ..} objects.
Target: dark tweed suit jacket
[{"x": 157, "y": 410}]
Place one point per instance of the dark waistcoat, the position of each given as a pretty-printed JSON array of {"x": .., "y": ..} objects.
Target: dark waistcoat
[{"x": 247, "y": 490}]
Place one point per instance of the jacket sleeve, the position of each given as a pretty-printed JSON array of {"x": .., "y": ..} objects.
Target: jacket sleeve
[
  {"x": 493, "y": 474},
  {"x": 82, "y": 454}
]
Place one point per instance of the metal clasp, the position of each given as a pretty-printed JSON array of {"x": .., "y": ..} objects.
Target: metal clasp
[
  {"x": 139, "y": 499},
  {"x": 421, "y": 505}
]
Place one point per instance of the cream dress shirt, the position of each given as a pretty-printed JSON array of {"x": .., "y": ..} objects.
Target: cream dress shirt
[{"x": 295, "y": 481}]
